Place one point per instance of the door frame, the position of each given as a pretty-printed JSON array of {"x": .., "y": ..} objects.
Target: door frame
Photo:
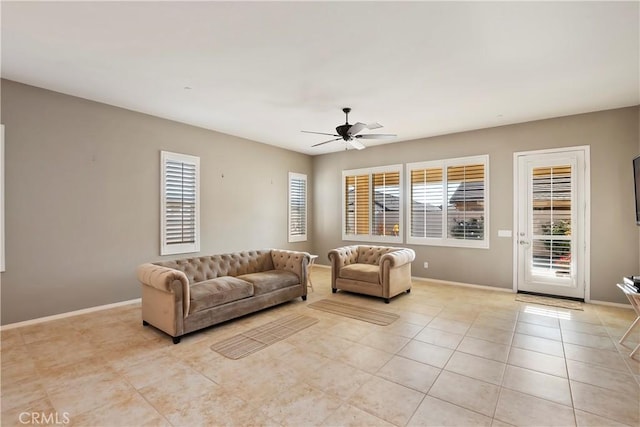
[{"x": 586, "y": 187}]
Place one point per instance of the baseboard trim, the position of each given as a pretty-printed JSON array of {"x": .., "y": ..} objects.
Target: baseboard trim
[
  {"x": 466, "y": 285},
  {"x": 68, "y": 314}
]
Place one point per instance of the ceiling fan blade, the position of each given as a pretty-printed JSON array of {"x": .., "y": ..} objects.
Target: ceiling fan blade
[
  {"x": 375, "y": 136},
  {"x": 356, "y": 144},
  {"x": 326, "y": 142},
  {"x": 319, "y": 133},
  {"x": 372, "y": 126},
  {"x": 356, "y": 128}
]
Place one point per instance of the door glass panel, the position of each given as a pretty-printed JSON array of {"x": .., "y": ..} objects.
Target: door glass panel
[{"x": 551, "y": 245}]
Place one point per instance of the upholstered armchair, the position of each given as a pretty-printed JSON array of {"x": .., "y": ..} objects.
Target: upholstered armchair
[{"x": 371, "y": 270}]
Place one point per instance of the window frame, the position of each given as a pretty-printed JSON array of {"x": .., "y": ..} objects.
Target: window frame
[
  {"x": 180, "y": 248},
  {"x": 370, "y": 237},
  {"x": 445, "y": 240},
  {"x": 292, "y": 238}
]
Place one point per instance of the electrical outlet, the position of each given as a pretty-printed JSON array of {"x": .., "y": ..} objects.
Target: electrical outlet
[{"x": 426, "y": 264}]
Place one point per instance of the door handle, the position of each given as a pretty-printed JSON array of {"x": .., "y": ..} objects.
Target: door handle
[{"x": 523, "y": 242}]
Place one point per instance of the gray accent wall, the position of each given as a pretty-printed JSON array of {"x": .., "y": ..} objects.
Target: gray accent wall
[
  {"x": 614, "y": 140},
  {"x": 83, "y": 198}
]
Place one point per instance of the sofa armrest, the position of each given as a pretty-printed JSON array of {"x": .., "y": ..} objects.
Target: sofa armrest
[
  {"x": 165, "y": 279},
  {"x": 294, "y": 261}
]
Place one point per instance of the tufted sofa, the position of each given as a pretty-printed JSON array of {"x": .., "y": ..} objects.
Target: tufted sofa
[
  {"x": 188, "y": 294},
  {"x": 372, "y": 270}
]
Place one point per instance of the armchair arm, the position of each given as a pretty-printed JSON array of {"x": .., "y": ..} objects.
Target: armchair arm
[
  {"x": 343, "y": 256},
  {"x": 397, "y": 258},
  {"x": 165, "y": 279},
  {"x": 293, "y": 261}
]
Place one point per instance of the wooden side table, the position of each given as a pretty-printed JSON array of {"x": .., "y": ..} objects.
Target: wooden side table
[
  {"x": 634, "y": 298},
  {"x": 311, "y": 262}
]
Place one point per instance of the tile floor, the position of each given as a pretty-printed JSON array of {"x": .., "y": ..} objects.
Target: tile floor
[{"x": 457, "y": 356}]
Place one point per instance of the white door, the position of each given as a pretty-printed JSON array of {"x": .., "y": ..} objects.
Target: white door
[{"x": 551, "y": 197}]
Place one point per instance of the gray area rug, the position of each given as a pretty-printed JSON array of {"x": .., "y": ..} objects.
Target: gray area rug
[
  {"x": 554, "y": 302},
  {"x": 378, "y": 317},
  {"x": 246, "y": 343}
]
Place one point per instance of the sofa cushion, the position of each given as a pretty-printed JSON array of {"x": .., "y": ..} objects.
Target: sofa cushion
[
  {"x": 218, "y": 291},
  {"x": 268, "y": 281},
  {"x": 362, "y": 272}
]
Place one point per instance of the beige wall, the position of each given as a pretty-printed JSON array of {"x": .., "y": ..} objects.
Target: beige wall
[
  {"x": 83, "y": 203},
  {"x": 614, "y": 140}
]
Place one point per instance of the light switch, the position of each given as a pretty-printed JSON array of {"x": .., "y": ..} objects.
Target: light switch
[{"x": 504, "y": 233}]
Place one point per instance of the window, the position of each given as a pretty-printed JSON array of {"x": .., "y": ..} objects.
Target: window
[
  {"x": 180, "y": 210},
  {"x": 372, "y": 204},
  {"x": 449, "y": 202},
  {"x": 297, "y": 207}
]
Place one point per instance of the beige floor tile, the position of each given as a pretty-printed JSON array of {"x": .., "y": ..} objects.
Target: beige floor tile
[
  {"x": 133, "y": 411},
  {"x": 365, "y": 358},
  {"x": 22, "y": 415},
  {"x": 89, "y": 393},
  {"x": 606, "y": 403},
  {"x": 11, "y": 337},
  {"x": 498, "y": 423},
  {"x": 415, "y": 318},
  {"x": 301, "y": 405},
  {"x": 168, "y": 394},
  {"x": 476, "y": 395},
  {"x": 537, "y": 384},
  {"x": 149, "y": 370},
  {"x": 586, "y": 419},
  {"x": 352, "y": 330},
  {"x": 486, "y": 349},
  {"x": 439, "y": 337},
  {"x": 495, "y": 322},
  {"x": 498, "y": 336},
  {"x": 449, "y": 325},
  {"x": 426, "y": 353},
  {"x": 476, "y": 367},
  {"x": 22, "y": 394},
  {"x": 521, "y": 409},
  {"x": 540, "y": 362},
  {"x": 585, "y": 328},
  {"x": 327, "y": 345},
  {"x": 541, "y": 345},
  {"x": 588, "y": 340},
  {"x": 538, "y": 331},
  {"x": 540, "y": 315},
  {"x": 387, "y": 400},
  {"x": 383, "y": 341},
  {"x": 350, "y": 416},
  {"x": 337, "y": 379},
  {"x": 602, "y": 377},
  {"x": 409, "y": 373},
  {"x": 436, "y": 412},
  {"x": 604, "y": 358},
  {"x": 403, "y": 329}
]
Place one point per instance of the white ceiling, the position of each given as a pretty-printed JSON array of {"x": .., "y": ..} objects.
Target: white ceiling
[{"x": 267, "y": 70}]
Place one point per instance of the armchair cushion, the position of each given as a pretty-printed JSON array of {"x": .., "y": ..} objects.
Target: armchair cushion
[{"x": 361, "y": 272}]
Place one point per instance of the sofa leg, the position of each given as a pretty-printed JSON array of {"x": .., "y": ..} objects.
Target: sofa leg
[
  {"x": 304, "y": 297},
  {"x": 387, "y": 300},
  {"x": 145, "y": 323},
  {"x": 409, "y": 290},
  {"x": 334, "y": 290},
  {"x": 176, "y": 340}
]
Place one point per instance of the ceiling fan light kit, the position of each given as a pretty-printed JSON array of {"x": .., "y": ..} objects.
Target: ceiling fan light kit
[{"x": 349, "y": 132}]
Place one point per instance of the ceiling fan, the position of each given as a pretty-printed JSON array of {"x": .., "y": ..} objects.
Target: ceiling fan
[{"x": 349, "y": 132}]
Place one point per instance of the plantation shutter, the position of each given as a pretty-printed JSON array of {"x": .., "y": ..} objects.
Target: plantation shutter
[
  {"x": 465, "y": 193},
  {"x": 297, "y": 207},
  {"x": 386, "y": 204},
  {"x": 180, "y": 200},
  {"x": 426, "y": 202},
  {"x": 357, "y": 204}
]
